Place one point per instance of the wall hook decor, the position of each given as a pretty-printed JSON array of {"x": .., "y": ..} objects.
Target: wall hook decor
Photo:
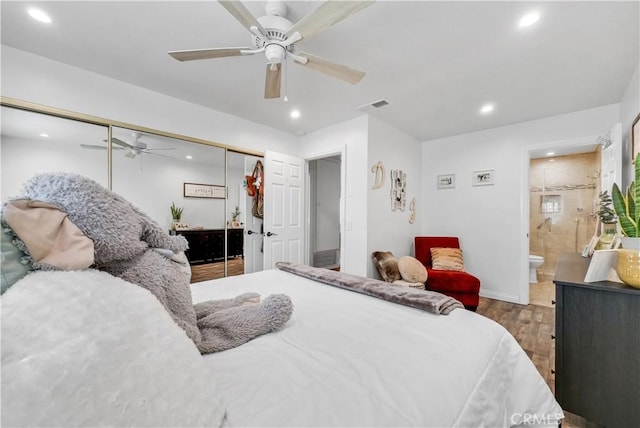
[
  {"x": 412, "y": 210},
  {"x": 378, "y": 171},
  {"x": 398, "y": 189}
]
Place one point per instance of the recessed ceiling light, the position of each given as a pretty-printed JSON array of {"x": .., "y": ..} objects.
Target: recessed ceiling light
[
  {"x": 551, "y": 153},
  {"x": 189, "y": 157},
  {"x": 39, "y": 15},
  {"x": 529, "y": 19},
  {"x": 487, "y": 108},
  {"x": 43, "y": 135},
  {"x": 295, "y": 114}
]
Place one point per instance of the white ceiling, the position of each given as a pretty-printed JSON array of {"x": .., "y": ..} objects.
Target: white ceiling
[{"x": 436, "y": 62}]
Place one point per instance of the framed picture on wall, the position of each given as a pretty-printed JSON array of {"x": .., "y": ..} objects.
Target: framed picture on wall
[
  {"x": 483, "y": 178},
  {"x": 196, "y": 190},
  {"x": 447, "y": 181},
  {"x": 635, "y": 137}
]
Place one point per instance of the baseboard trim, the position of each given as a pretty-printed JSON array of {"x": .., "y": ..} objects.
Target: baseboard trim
[{"x": 500, "y": 296}]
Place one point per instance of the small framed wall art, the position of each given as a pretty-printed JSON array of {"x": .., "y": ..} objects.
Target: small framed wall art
[
  {"x": 447, "y": 181},
  {"x": 196, "y": 190},
  {"x": 483, "y": 178}
]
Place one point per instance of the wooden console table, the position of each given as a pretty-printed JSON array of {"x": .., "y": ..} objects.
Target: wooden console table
[{"x": 597, "y": 346}]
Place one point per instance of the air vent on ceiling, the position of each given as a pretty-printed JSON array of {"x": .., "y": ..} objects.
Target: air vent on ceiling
[{"x": 374, "y": 105}]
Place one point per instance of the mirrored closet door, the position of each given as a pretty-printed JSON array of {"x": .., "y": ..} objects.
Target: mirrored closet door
[
  {"x": 244, "y": 221},
  {"x": 181, "y": 185},
  {"x": 33, "y": 143}
]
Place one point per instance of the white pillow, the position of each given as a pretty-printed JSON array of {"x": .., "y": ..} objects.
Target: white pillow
[{"x": 85, "y": 348}]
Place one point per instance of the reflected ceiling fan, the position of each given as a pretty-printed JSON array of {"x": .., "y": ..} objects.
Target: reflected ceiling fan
[
  {"x": 276, "y": 36},
  {"x": 134, "y": 149}
]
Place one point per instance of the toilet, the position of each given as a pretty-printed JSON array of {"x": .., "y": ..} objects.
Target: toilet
[{"x": 534, "y": 263}]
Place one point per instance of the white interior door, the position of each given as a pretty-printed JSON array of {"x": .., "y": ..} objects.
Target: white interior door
[
  {"x": 253, "y": 259},
  {"x": 612, "y": 160},
  {"x": 283, "y": 209}
]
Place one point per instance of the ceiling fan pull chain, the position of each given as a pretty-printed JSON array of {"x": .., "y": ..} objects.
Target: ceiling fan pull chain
[{"x": 285, "y": 72}]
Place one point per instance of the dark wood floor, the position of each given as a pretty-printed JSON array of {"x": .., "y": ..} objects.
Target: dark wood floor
[
  {"x": 215, "y": 270},
  {"x": 532, "y": 326}
]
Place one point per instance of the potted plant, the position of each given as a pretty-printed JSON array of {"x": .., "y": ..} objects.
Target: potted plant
[
  {"x": 608, "y": 219},
  {"x": 627, "y": 209},
  {"x": 176, "y": 214}
]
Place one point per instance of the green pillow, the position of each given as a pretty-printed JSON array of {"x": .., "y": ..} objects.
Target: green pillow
[{"x": 11, "y": 266}]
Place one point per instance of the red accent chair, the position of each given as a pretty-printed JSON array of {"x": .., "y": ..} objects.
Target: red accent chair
[{"x": 459, "y": 285}]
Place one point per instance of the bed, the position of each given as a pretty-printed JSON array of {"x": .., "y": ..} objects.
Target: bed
[{"x": 85, "y": 348}]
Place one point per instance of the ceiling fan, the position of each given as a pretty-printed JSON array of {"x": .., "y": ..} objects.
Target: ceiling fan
[
  {"x": 276, "y": 36},
  {"x": 134, "y": 149}
]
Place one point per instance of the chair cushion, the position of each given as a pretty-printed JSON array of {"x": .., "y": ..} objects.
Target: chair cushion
[
  {"x": 423, "y": 245},
  {"x": 447, "y": 259},
  {"x": 411, "y": 270},
  {"x": 387, "y": 265},
  {"x": 446, "y": 281}
]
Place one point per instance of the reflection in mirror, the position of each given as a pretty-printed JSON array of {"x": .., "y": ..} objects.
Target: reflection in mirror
[
  {"x": 151, "y": 170},
  {"x": 240, "y": 165},
  {"x": 238, "y": 210},
  {"x": 33, "y": 143}
]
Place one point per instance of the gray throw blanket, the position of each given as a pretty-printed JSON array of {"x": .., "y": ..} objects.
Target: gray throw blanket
[{"x": 425, "y": 300}]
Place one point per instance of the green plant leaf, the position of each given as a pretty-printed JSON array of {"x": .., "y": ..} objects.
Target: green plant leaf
[{"x": 628, "y": 225}]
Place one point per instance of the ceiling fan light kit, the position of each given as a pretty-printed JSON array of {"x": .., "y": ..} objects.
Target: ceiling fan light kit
[{"x": 276, "y": 36}]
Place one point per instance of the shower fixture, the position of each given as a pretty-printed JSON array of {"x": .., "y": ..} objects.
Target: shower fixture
[{"x": 547, "y": 222}]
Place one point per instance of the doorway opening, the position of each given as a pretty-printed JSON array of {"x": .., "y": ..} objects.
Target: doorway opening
[
  {"x": 561, "y": 185},
  {"x": 324, "y": 213}
]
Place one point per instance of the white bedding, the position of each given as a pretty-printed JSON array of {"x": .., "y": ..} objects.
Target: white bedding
[{"x": 346, "y": 359}]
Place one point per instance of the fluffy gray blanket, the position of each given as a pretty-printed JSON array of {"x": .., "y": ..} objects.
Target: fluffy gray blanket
[{"x": 425, "y": 300}]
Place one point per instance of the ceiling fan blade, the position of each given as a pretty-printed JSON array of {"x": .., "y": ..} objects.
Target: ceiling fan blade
[
  {"x": 119, "y": 142},
  {"x": 160, "y": 148},
  {"x": 92, "y": 147},
  {"x": 194, "y": 54},
  {"x": 327, "y": 14},
  {"x": 272, "y": 81},
  {"x": 332, "y": 69},
  {"x": 242, "y": 14}
]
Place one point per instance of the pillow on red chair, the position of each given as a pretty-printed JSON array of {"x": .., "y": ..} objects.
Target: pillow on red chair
[
  {"x": 412, "y": 270},
  {"x": 447, "y": 259}
]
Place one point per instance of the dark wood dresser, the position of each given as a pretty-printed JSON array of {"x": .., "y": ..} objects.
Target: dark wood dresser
[
  {"x": 207, "y": 245},
  {"x": 597, "y": 346}
]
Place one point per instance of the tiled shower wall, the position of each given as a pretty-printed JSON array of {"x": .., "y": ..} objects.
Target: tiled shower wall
[{"x": 563, "y": 195}]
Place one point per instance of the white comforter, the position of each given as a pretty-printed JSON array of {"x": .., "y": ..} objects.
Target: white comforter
[{"x": 346, "y": 359}]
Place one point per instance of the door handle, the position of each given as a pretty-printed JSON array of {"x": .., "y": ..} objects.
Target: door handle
[
  {"x": 271, "y": 234},
  {"x": 251, "y": 232}
]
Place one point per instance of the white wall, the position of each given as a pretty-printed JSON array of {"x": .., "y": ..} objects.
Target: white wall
[
  {"x": 629, "y": 110},
  {"x": 23, "y": 158},
  {"x": 351, "y": 135},
  {"x": 40, "y": 80},
  {"x": 491, "y": 221},
  {"x": 390, "y": 230}
]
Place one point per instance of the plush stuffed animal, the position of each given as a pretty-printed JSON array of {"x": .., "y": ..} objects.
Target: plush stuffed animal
[{"x": 68, "y": 221}]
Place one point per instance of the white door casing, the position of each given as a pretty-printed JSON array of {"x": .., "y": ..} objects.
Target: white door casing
[
  {"x": 283, "y": 209},
  {"x": 611, "y": 168}
]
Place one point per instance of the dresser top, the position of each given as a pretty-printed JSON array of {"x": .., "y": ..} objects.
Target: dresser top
[{"x": 572, "y": 268}]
